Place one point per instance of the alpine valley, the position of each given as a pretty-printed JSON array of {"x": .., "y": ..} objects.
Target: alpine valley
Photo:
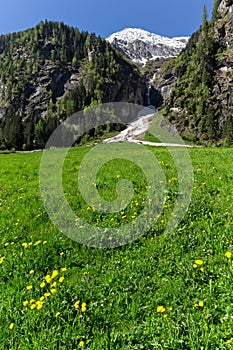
[{"x": 52, "y": 70}]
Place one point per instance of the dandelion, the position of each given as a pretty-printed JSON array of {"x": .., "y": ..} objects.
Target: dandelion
[
  {"x": 48, "y": 278},
  {"x": 42, "y": 298},
  {"x": 25, "y": 303},
  {"x": 54, "y": 284},
  {"x": 45, "y": 242},
  {"x": 54, "y": 274},
  {"x": 228, "y": 255},
  {"x": 85, "y": 273},
  {"x": 63, "y": 269},
  {"x": 160, "y": 309},
  {"x": 57, "y": 314},
  {"x": 62, "y": 253},
  {"x": 76, "y": 305},
  {"x": 6, "y": 244},
  {"x": 201, "y": 303},
  {"x": 228, "y": 341},
  {"x": 199, "y": 262},
  {"x": 165, "y": 315},
  {"x": 39, "y": 304},
  {"x": 170, "y": 308},
  {"x": 11, "y": 326},
  {"x": 84, "y": 307},
  {"x": 29, "y": 287},
  {"x": 42, "y": 285},
  {"x": 61, "y": 279},
  {"x": 2, "y": 259},
  {"x": 33, "y": 306},
  {"x": 81, "y": 344},
  {"x": 47, "y": 294},
  {"x": 25, "y": 245},
  {"x": 31, "y": 272},
  {"x": 31, "y": 301},
  {"x": 53, "y": 290},
  {"x": 202, "y": 269},
  {"x": 37, "y": 242},
  {"x": 21, "y": 254},
  {"x": 195, "y": 266}
]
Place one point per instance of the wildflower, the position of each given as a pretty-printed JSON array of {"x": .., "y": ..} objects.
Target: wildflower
[
  {"x": 29, "y": 287},
  {"x": 54, "y": 284},
  {"x": 84, "y": 307},
  {"x": 170, "y": 308},
  {"x": 63, "y": 269},
  {"x": 202, "y": 269},
  {"x": 160, "y": 309},
  {"x": 81, "y": 343},
  {"x": 199, "y": 262},
  {"x": 39, "y": 304},
  {"x": 45, "y": 242},
  {"x": 48, "y": 278},
  {"x": 165, "y": 315},
  {"x": 31, "y": 272},
  {"x": 25, "y": 245},
  {"x": 54, "y": 274},
  {"x": 228, "y": 255},
  {"x": 85, "y": 273},
  {"x": 47, "y": 294},
  {"x": 228, "y": 341},
  {"x": 6, "y": 244},
  {"x": 31, "y": 301},
  {"x": 12, "y": 243},
  {"x": 53, "y": 290},
  {"x": 11, "y": 326},
  {"x": 2, "y": 259},
  {"x": 195, "y": 266},
  {"x": 42, "y": 285},
  {"x": 21, "y": 254},
  {"x": 37, "y": 242},
  {"x": 42, "y": 298},
  {"x": 33, "y": 306},
  {"x": 61, "y": 279},
  {"x": 201, "y": 303},
  {"x": 25, "y": 303},
  {"x": 76, "y": 305},
  {"x": 57, "y": 314},
  {"x": 62, "y": 253},
  {"x": 196, "y": 305}
]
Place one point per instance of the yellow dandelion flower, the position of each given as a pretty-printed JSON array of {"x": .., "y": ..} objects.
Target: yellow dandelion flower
[
  {"x": 29, "y": 287},
  {"x": 42, "y": 285},
  {"x": 202, "y": 269},
  {"x": 63, "y": 269},
  {"x": 201, "y": 303},
  {"x": 11, "y": 326},
  {"x": 48, "y": 278},
  {"x": 30, "y": 243},
  {"x": 54, "y": 284},
  {"x": 228, "y": 255},
  {"x": 62, "y": 253},
  {"x": 53, "y": 290},
  {"x": 47, "y": 294},
  {"x": 61, "y": 279},
  {"x": 228, "y": 341},
  {"x": 39, "y": 304},
  {"x": 81, "y": 344},
  {"x": 196, "y": 305},
  {"x": 21, "y": 254},
  {"x": 45, "y": 242},
  {"x": 6, "y": 244},
  {"x": 57, "y": 314},
  {"x": 84, "y": 307},
  {"x": 37, "y": 243},
  {"x": 195, "y": 266},
  {"x": 42, "y": 298},
  {"x": 33, "y": 306},
  {"x": 170, "y": 308},
  {"x": 160, "y": 309},
  {"x": 165, "y": 315},
  {"x": 86, "y": 273},
  {"x": 31, "y": 301},
  {"x": 25, "y": 245},
  {"x": 31, "y": 272},
  {"x": 25, "y": 303},
  {"x": 76, "y": 305},
  {"x": 2, "y": 259},
  {"x": 199, "y": 262},
  {"x": 54, "y": 274}
]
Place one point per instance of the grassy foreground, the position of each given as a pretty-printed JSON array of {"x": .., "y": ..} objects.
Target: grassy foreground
[{"x": 163, "y": 291}]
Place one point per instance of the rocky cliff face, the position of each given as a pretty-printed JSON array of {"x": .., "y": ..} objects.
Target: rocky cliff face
[
  {"x": 197, "y": 86},
  {"x": 51, "y": 71}
]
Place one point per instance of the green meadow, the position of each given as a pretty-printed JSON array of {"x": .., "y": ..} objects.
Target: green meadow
[{"x": 165, "y": 290}]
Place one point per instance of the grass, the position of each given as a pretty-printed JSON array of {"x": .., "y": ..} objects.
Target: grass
[{"x": 162, "y": 291}]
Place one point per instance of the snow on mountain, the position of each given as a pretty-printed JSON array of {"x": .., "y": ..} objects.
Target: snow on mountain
[{"x": 140, "y": 45}]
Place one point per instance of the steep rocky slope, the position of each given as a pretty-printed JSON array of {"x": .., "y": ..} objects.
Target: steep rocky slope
[
  {"x": 198, "y": 85},
  {"x": 51, "y": 71}
]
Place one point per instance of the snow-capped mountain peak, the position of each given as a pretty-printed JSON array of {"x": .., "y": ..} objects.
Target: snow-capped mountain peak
[{"x": 140, "y": 45}]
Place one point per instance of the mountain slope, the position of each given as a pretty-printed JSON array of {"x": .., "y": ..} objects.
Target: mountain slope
[
  {"x": 51, "y": 71},
  {"x": 140, "y": 45},
  {"x": 200, "y": 81}
]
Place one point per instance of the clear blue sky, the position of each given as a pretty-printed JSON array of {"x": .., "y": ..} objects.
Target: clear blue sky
[{"x": 164, "y": 17}]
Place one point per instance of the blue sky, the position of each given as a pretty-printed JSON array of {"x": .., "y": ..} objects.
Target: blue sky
[{"x": 164, "y": 17}]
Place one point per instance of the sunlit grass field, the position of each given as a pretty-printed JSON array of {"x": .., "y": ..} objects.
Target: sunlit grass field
[{"x": 162, "y": 291}]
